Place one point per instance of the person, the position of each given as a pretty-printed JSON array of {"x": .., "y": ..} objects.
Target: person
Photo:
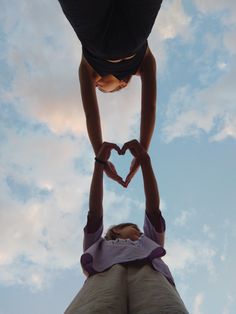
[
  {"x": 114, "y": 42},
  {"x": 126, "y": 274}
]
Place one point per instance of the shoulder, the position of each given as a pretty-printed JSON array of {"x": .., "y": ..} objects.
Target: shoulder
[
  {"x": 85, "y": 69},
  {"x": 148, "y": 64}
]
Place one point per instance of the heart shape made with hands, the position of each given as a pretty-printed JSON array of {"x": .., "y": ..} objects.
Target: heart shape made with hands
[{"x": 112, "y": 172}]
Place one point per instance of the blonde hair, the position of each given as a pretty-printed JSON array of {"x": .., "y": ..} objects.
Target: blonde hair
[{"x": 112, "y": 235}]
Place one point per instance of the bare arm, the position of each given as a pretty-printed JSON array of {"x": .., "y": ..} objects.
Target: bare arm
[
  {"x": 91, "y": 109},
  {"x": 149, "y": 181},
  {"x": 150, "y": 185},
  {"x": 152, "y": 198},
  {"x": 147, "y": 72},
  {"x": 90, "y": 104},
  {"x": 148, "y": 102},
  {"x": 96, "y": 189}
]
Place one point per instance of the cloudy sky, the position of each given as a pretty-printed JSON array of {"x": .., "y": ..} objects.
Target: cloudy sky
[{"x": 46, "y": 160}]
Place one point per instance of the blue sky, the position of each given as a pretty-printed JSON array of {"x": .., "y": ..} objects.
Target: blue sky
[{"x": 47, "y": 161}]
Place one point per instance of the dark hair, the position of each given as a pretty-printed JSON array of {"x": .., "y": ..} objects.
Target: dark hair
[{"x": 112, "y": 235}]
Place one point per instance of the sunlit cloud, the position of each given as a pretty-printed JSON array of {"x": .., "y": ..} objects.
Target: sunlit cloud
[
  {"x": 173, "y": 21},
  {"x": 211, "y": 110},
  {"x": 198, "y": 301},
  {"x": 188, "y": 255}
]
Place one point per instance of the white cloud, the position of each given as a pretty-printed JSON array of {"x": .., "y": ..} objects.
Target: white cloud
[
  {"x": 228, "y": 7},
  {"x": 173, "y": 21},
  {"x": 222, "y": 65},
  {"x": 229, "y": 41},
  {"x": 186, "y": 254},
  {"x": 208, "y": 231},
  {"x": 230, "y": 303},
  {"x": 182, "y": 219},
  {"x": 211, "y": 110},
  {"x": 198, "y": 301}
]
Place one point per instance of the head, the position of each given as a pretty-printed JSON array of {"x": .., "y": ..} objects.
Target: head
[
  {"x": 110, "y": 83},
  {"x": 124, "y": 231}
]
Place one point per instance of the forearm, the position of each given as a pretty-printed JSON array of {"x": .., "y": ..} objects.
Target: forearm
[
  {"x": 90, "y": 105},
  {"x": 148, "y": 101},
  {"x": 150, "y": 186},
  {"x": 96, "y": 192},
  {"x": 148, "y": 118},
  {"x": 94, "y": 130}
]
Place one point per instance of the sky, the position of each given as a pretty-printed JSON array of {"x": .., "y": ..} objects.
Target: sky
[{"x": 46, "y": 160}]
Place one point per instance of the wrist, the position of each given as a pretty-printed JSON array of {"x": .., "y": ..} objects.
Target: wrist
[
  {"x": 99, "y": 166},
  {"x": 143, "y": 158},
  {"x": 100, "y": 161}
]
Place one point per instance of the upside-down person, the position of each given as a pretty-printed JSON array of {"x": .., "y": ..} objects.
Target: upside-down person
[{"x": 114, "y": 37}]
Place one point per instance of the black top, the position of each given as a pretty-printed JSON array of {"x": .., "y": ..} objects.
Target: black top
[
  {"x": 120, "y": 69},
  {"x": 112, "y": 29}
]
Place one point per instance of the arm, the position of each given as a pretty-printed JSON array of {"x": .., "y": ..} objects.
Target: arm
[
  {"x": 90, "y": 104},
  {"x": 147, "y": 74},
  {"x": 150, "y": 184},
  {"x": 94, "y": 227},
  {"x": 148, "y": 101},
  {"x": 95, "y": 213},
  {"x": 91, "y": 109},
  {"x": 96, "y": 190}
]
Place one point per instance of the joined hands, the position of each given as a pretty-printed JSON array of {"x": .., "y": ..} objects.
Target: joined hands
[{"x": 136, "y": 149}]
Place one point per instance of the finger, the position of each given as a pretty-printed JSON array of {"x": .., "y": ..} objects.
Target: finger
[
  {"x": 127, "y": 181},
  {"x": 117, "y": 178},
  {"x": 121, "y": 181},
  {"x": 125, "y": 147},
  {"x": 132, "y": 145},
  {"x": 105, "y": 152},
  {"x": 111, "y": 146},
  {"x": 129, "y": 177},
  {"x": 117, "y": 148}
]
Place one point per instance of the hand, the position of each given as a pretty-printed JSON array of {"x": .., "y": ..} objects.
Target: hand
[
  {"x": 105, "y": 151},
  {"x": 110, "y": 170},
  {"x": 136, "y": 150},
  {"x": 139, "y": 154},
  {"x": 133, "y": 169}
]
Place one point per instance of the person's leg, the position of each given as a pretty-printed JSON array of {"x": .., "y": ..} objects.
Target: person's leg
[
  {"x": 151, "y": 293},
  {"x": 103, "y": 293}
]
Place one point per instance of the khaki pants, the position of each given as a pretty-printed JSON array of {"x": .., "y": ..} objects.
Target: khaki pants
[{"x": 127, "y": 290}]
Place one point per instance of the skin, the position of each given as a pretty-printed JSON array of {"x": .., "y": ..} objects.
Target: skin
[
  {"x": 150, "y": 188},
  {"x": 90, "y": 80},
  {"x": 109, "y": 83}
]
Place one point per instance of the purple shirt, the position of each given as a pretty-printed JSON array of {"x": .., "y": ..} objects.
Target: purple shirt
[{"x": 100, "y": 254}]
